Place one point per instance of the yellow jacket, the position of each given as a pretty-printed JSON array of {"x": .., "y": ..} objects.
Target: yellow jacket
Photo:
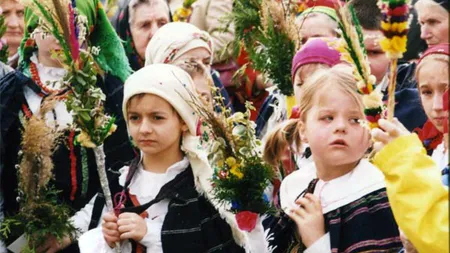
[{"x": 418, "y": 199}]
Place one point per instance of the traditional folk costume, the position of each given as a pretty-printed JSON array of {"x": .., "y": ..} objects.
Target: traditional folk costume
[
  {"x": 356, "y": 210},
  {"x": 431, "y": 137},
  {"x": 277, "y": 106},
  {"x": 22, "y": 93},
  {"x": 179, "y": 208}
]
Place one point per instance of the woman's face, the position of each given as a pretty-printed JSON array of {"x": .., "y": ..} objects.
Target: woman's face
[
  {"x": 13, "y": 12},
  {"x": 433, "y": 25},
  {"x": 147, "y": 19},
  {"x": 433, "y": 82},
  {"x": 197, "y": 62}
]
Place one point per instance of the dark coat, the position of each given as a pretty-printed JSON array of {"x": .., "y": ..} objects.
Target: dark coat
[{"x": 117, "y": 147}]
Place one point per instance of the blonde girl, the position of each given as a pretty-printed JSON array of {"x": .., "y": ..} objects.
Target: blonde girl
[{"x": 338, "y": 203}]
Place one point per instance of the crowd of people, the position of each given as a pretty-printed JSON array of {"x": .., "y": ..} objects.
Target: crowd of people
[{"x": 344, "y": 188}]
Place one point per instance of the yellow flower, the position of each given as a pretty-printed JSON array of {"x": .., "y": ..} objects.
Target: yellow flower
[
  {"x": 236, "y": 171},
  {"x": 220, "y": 163},
  {"x": 394, "y": 27},
  {"x": 399, "y": 43},
  {"x": 112, "y": 129},
  {"x": 394, "y": 47},
  {"x": 85, "y": 140},
  {"x": 231, "y": 161}
]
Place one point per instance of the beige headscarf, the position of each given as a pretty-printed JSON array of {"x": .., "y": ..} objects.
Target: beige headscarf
[{"x": 173, "y": 40}]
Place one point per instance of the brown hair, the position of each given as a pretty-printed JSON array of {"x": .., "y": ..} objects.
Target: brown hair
[{"x": 287, "y": 135}]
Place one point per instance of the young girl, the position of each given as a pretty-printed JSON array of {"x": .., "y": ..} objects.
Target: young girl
[
  {"x": 432, "y": 81},
  {"x": 315, "y": 55},
  {"x": 338, "y": 202},
  {"x": 39, "y": 76},
  {"x": 164, "y": 199}
]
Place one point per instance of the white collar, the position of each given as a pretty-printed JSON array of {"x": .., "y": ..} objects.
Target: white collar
[
  {"x": 140, "y": 184},
  {"x": 440, "y": 156},
  {"x": 50, "y": 72},
  {"x": 362, "y": 180}
]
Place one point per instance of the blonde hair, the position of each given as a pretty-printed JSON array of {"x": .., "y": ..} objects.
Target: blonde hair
[
  {"x": 431, "y": 59},
  {"x": 339, "y": 76},
  {"x": 421, "y": 4},
  {"x": 287, "y": 135}
]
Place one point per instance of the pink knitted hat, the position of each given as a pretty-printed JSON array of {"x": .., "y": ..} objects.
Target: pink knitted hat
[{"x": 315, "y": 51}]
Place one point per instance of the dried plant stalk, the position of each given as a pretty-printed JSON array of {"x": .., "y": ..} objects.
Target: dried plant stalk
[{"x": 38, "y": 144}]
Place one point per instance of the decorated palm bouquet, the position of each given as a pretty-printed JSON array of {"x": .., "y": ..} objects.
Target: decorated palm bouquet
[
  {"x": 240, "y": 174},
  {"x": 41, "y": 214}
]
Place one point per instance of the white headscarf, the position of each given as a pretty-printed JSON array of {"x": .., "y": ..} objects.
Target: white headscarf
[{"x": 173, "y": 40}]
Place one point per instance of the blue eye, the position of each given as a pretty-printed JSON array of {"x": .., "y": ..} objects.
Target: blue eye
[{"x": 327, "y": 118}]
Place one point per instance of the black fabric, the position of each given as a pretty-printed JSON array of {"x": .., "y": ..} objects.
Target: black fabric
[
  {"x": 117, "y": 147},
  {"x": 265, "y": 112},
  {"x": 192, "y": 224},
  {"x": 371, "y": 216}
]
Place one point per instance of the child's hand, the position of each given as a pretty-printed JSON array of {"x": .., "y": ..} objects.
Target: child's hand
[
  {"x": 132, "y": 226},
  {"x": 309, "y": 219},
  {"x": 387, "y": 132},
  {"x": 110, "y": 229}
]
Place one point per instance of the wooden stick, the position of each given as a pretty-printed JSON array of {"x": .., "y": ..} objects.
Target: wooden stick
[{"x": 391, "y": 90}]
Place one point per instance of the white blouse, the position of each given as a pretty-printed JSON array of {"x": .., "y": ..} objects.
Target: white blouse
[
  {"x": 49, "y": 74},
  {"x": 145, "y": 185}
]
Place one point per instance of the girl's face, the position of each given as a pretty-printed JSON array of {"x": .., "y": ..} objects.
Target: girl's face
[
  {"x": 332, "y": 128},
  {"x": 298, "y": 82},
  {"x": 316, "y": 26},
  {"x": 154, "y": 125},
  {"x": 302, "y": 74},
  {"x": 46, "y": 44},
  {"x": 433, "y": 25},
  {"x": 433, "y": 82},
  {"x": 148, "y": 18}
]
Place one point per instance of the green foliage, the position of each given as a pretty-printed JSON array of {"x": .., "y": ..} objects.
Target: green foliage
[
  {"x": 3, "y": 46},
  {"x": 270, "y": 49},
  {"x": 39, "y": 217},
  {"x": 244, "y": 193}
]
